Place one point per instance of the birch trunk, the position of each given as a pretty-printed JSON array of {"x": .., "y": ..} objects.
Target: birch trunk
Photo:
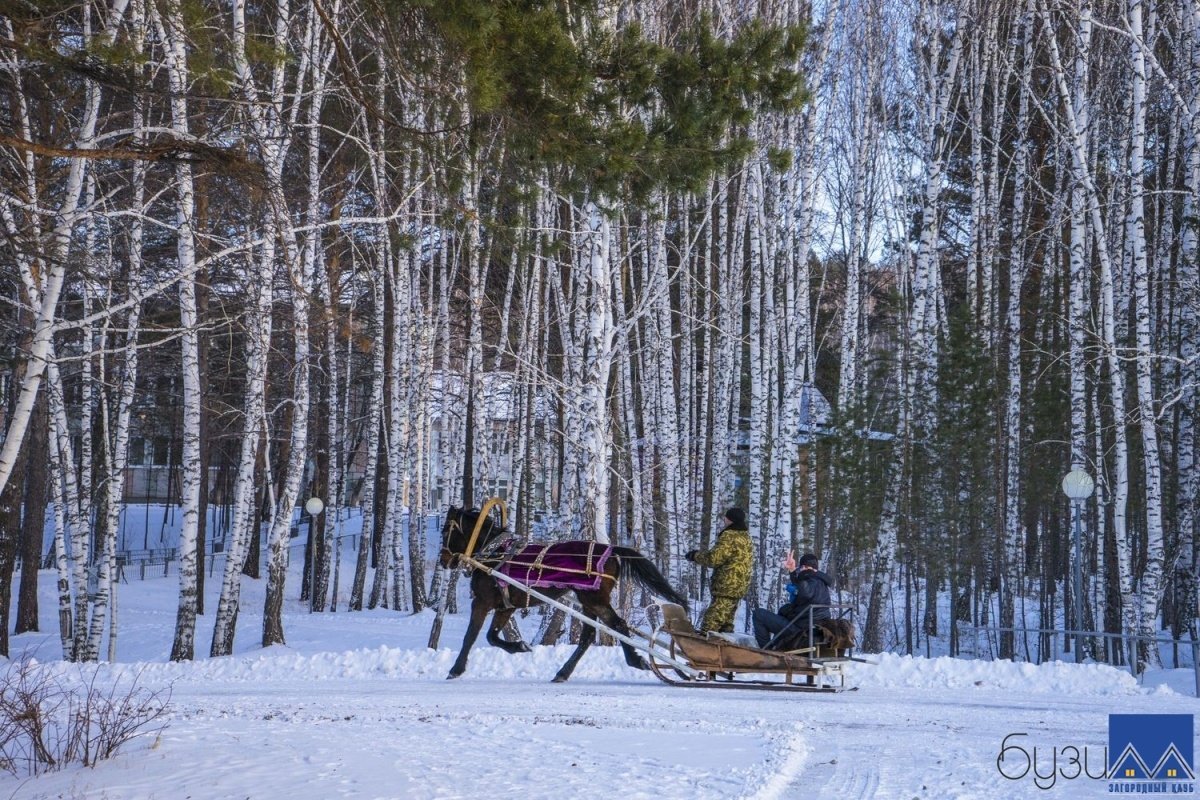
[
  {"x": 1013, "y": 524},
  {"x": 1150, "y": 582},
  {"x": 173, "y": 36},
  {"x": 1189, "y": 248},
  {"x": 301, "y": 263},
  {"x": 274, "y": 147},
  {"x": 596, "y": 433},
  {"x": 48, "y": 288},
  {"x": 1077, "y": 109},
  {"x": 916, "y": 368}
]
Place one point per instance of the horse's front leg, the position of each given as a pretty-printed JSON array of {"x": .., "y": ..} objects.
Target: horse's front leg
[
  {"x": 499, "y": 620},
  {"x": 585, "y": 641},
  {"x": 479, "y": 612}
]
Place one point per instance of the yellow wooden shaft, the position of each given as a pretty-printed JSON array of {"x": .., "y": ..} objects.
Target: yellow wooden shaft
[{"x": 487, "y": 508}]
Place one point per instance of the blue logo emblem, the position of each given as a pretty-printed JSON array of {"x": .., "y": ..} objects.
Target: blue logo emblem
[{"x": 1151, "y": 754}]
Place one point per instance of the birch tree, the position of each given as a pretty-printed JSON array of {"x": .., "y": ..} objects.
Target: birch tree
[{"x": 938, "y": 83}]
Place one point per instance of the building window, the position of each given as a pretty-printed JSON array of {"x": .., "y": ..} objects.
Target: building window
[
  {"x": 497, "y": 488},
  {"x": 137, "y": 449}
]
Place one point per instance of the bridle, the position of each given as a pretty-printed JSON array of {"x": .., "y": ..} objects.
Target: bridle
[{"x": 446, "y": 555}]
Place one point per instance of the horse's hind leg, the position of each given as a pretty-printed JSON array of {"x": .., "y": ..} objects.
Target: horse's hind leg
[
  {"x": 585, "y": 641},
  {"x": 499, "y": 620},
  {"x": 479, "y": 613},
  {"x": 613, "y": 620}
]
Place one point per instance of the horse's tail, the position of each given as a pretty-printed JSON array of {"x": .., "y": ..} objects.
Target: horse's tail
[{"x": 642, "y": 570}]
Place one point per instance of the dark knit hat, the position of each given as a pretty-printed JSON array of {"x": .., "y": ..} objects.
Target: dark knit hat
[
  {"x": 808, "y": 560},
  {"x": 736, "y": 517}
]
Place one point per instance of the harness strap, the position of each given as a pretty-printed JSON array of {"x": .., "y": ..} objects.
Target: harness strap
[{"x": 505, "y": 600}]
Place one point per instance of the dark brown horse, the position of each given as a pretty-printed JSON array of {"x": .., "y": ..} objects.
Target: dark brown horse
[{"x": 488, "y": 596}]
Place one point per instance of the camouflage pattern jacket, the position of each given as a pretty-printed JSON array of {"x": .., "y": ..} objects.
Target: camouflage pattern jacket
[{"x": 732, "y": 560}]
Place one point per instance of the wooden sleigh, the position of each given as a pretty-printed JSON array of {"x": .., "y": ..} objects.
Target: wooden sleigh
[{"x": 722, "y": 661}]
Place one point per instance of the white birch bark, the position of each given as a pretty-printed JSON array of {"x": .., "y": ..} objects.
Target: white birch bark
[
  {"x": 758, "y": 513},
  {"x": 327, "y": 279},
  {"x": 86, "y": 416},
  {"x": 941, "y": 81},
  {"x": 866, "y": 46},
  {"x": 116, "y": 425},
  {"x": 810, "y": 178},
  {"x": 666, "y": 392},
  {"x": 596, "y": 431},
  {"x": 395, "y": 386},
  {"x": 61, "y": 558},
  {"x": 173, "y": 37},
  {"x": 374, "y": 423},
  {"x": 1187, "y": 475},
  {"x": 378, "y": 275},
  {"x": 1150, "y": 581},
  {"x": 50, "y": 282},
  {"x": 1013, "y": 425},
  {"x": 314, "y": 62},
  {"x": 274, "y": 143},
  {"x": 77, "y": 529},
  {"x": 43, "y": 286},
  {"x": 1076, "y": 107}
]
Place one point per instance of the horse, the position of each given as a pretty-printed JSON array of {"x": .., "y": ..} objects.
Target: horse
[{"x": 489, "y": 595}]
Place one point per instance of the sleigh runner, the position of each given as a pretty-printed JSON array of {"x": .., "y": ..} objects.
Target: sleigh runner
[{"x": 677, "y": 654}]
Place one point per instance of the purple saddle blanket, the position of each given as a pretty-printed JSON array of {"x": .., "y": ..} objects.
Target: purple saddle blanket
[{"x": 561, "y": 565}]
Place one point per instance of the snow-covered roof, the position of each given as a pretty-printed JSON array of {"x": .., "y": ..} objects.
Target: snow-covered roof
[{"x": 815, "y": 410}]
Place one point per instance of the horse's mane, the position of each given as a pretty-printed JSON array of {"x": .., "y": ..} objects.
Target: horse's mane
[
  {"x": 470, "y": 517},
  {"x": 469, "y": 513}
]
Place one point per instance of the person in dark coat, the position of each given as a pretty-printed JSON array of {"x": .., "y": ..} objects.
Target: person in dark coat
[{"x": 809, "y": 588}]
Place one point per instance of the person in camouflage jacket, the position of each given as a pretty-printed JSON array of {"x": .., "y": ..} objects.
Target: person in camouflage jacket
[{"x": 732, "y": 560}]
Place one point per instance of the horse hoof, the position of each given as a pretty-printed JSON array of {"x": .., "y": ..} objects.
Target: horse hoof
[
  {"x": 453, "y": 675},
  {"x": 559, "y": 679},
  {"x": 525, "y": 649}
]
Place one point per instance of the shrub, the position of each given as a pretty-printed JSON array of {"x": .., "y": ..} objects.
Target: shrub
[{"x": 49, "y": 721}]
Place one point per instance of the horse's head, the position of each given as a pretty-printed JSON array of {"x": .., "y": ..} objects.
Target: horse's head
[
  {"x": 456, "y": 534},
  {"x": 453, "y": 540}
]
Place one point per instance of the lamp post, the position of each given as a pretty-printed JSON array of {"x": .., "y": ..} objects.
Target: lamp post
[
  {"x": 1078, "y": 486},
  {"x": 314, "y": 506}
]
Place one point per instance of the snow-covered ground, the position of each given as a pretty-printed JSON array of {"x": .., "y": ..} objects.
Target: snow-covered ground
[{"x": 356, "y": 706}]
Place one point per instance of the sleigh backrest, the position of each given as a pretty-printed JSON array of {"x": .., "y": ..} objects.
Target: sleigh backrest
[{"x": 675, "y": 619}]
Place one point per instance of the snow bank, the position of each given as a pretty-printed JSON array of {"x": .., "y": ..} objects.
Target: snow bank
[
  {"x": 607, "y": 664},
  {"x": 1056, "y": 677}
]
